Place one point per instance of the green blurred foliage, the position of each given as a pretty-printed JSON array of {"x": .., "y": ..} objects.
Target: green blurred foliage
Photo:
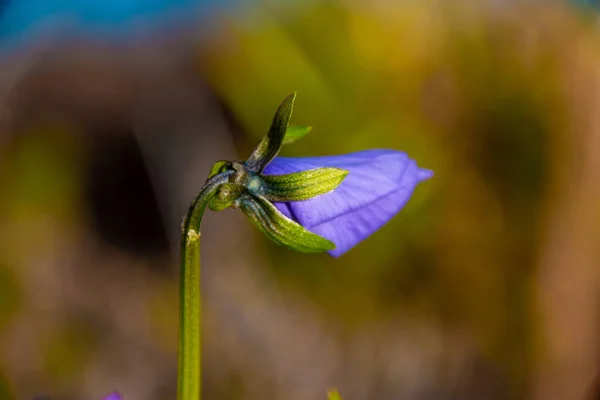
[
  {"x": 10, "y": 296},
  {"x": 5, "y": 388},
  {"x": 39, "y": 175},
  {"x": 64, "y": 351}
]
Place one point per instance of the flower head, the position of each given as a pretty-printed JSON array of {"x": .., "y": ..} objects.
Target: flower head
[{"x": 315, "y": 204}]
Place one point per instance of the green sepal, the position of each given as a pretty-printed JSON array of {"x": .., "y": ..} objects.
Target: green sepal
[
  {"x": 295, "y": 132},
  {"x": 302, "y": 185},
  {"x": 282, "y": 230},
  {"x": 268, "y": 148},
  {"x": 333, "y": 394},
  {"x": 226, "y": 196},
  {"x": 218, "y": 167}
]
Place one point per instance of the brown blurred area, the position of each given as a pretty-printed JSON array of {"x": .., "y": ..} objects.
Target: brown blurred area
[{"x": 484, "y": 287}]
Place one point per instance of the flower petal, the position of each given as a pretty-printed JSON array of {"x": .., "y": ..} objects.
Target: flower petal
[{"x": 379, "y": 184}]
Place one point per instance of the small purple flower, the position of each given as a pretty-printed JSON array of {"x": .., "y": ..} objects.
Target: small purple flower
[
  {"x": 113, "y": 396},
  {"x": 379, "y": 183}
]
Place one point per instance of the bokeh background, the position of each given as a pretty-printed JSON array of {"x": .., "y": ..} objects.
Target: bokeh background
[{"x": 485, "y": 287}]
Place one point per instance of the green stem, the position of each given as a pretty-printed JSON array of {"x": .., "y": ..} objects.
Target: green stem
[{"x": 190, "y": 301}]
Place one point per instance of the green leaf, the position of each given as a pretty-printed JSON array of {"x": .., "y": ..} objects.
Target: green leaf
[
  {"x": 333, "y": 394},
  {"x": 302, "y": 185},
  {"x": 295, "y": 132},
  {"x": 281, "y": 229},
  {"x": 268, "y": 148}
]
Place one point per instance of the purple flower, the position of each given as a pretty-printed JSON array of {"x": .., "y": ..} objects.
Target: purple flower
[
  {"x": 113, "y": 396},
  {"x": 380, "y": 182},
  {"x": 311, "y": 204}
]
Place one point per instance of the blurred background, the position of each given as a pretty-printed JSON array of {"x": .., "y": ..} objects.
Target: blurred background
[{"x": 484, "y": 287}]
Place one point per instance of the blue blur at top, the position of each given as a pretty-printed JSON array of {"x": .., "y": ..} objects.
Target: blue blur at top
[{"x": 22, "y": 18}]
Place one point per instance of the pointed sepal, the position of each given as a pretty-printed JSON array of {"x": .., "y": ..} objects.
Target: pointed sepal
[
  {"x": 268, "y": 148},
  {"x": 302, "y": 185},
  {"x": 295, "y": 132},
  {"x": 281, "y": 229}
]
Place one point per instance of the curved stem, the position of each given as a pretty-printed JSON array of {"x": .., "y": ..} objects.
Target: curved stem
[{"x": 190, "y": 302}]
